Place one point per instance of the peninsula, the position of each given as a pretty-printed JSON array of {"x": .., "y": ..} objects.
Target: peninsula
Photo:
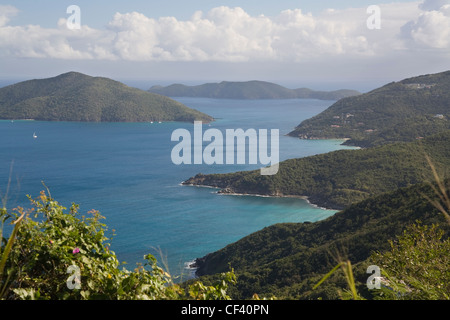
[
  {"x": 401, "y": 111},
  {"x": 337, "y": 179}
]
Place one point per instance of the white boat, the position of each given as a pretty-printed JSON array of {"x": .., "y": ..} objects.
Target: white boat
[{"x": 34, "y": 135}]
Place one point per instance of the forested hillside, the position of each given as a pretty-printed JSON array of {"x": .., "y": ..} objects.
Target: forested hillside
[
  {"x": 340, "y": 178},
  {"x": 287, "y": 260},
  {"x": 77, "y": 97},
  {"x": 249, "y": 90},
  {"x": 399, "y": 111}
]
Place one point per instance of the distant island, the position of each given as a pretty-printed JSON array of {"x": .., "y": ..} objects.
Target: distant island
[
  {"x": 75, "y": 96},
  {"x": 248, "y": 90},
  {"x": 397, "y": 112}
]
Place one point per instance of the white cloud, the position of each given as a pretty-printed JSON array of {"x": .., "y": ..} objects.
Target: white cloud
[
  {"x": 231, "y": 34},
  {"x": 431, "y": 29},
  {"x": 428, "y": 5},
  {"x": 6, "y": 13}
]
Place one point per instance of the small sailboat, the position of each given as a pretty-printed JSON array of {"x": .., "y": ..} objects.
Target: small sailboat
[{"x": 34, "y": 135}]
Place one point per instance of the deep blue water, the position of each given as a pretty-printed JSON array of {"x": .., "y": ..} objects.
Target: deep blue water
[{"x": 125, "y": 171}]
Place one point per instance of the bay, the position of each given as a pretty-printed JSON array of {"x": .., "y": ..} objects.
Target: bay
[{"x": 125, "y": 171}]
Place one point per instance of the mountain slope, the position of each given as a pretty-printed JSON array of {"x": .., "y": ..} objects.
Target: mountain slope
[
  {"x": 248, "y": 90},
  {"x": 77, "y": 97},
  {"x": 288, "y": 259},
  {"x": 340, "y": 178},
  {"x": 399, "y": 111}
]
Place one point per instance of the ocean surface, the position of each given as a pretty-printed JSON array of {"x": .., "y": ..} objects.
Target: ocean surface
[{"x": 125, "y": 171}]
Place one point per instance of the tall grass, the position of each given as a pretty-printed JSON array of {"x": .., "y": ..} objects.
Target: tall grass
[
  {"x": 441, "y": 202},
  {"x": 346, "y": 267},
  {"x": 4, "y": 255}
]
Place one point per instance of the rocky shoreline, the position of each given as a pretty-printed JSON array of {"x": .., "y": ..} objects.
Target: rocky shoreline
[{"x": 207, "y": 181}]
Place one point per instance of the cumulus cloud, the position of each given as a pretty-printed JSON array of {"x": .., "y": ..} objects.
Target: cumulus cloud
[
  {"x": 431, "y": 29},
  {"x": 428, "y": 5},
  {"x": 231, "y": 34}
]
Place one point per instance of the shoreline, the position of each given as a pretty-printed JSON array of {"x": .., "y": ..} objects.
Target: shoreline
[
  {"x": 306, "y": 198},
  {"x": 342, "y": 140}
]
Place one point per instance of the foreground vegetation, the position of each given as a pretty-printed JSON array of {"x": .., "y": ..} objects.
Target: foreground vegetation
[{"x": 57, "y": 254}]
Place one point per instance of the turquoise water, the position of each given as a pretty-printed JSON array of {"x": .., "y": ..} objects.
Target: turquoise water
[{"x": 125, "y": 171}]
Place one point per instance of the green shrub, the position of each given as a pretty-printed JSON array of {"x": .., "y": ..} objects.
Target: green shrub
[
  {"x": 417, "y": 266},
  {"x": 59, "y": 255}
]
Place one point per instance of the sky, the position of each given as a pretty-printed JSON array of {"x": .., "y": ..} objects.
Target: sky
[{"x": 322, "y": 45}]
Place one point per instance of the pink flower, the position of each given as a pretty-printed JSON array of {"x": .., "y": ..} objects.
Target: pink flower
[{"x": 75, "y": 251}]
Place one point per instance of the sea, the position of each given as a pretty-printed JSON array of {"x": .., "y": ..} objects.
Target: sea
[{"x": 125, "y": 171}]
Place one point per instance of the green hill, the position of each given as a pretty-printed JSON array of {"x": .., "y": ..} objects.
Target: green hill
[
  {"x": 77, "y": 97},
  {"x": 248, "y": 90},
  {"x": 399, "y": 111},
  {"x": 286, "y": 260},
  {"x": 340, "y": 178}
]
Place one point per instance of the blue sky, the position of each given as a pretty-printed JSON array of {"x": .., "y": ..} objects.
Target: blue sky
[
  {"x": 317, "y": 44},
  {"x": 97, "y": 13}
]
